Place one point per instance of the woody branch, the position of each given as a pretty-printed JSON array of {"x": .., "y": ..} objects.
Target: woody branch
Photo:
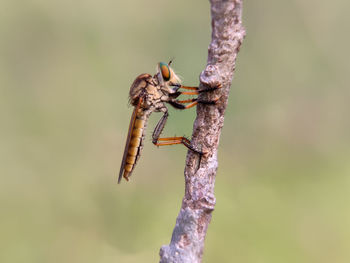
[{"x": 187, "y": 242}]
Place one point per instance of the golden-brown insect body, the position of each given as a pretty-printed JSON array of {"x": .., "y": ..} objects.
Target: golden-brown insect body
[
  {"x": 146, "y": 95},
  {"x": 149, "y": 94},
  {"x": 135, "y": 140}
]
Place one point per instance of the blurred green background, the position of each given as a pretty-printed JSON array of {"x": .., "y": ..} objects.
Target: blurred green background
[{"x": 283, "y": 181}]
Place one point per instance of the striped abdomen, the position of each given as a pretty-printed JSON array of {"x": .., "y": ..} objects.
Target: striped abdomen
[{"x": 134, "y": 142}]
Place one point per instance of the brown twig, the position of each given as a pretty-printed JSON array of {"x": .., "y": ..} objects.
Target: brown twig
[{"x": 187, "y": 242}]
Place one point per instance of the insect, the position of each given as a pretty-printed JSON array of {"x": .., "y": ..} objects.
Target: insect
[{"x": 150, "y": 94}]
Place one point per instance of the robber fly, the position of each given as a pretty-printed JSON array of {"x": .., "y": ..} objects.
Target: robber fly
[{"x": 149, "y": 94}]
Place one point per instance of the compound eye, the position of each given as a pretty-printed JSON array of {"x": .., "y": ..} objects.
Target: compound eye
[{"x": 164, "y": 69}]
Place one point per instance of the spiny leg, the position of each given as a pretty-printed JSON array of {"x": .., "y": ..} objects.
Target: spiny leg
[
  {"x": 195, "y": 90},
  {"x": 159, "y": 127},
  {"x": 169, "y": 140},
  {"x": 188, "y": 88},
  {"x": 178, "y": 104},
  {"x": 177, "y": 140},
  {"x": 189, "y": 92}
]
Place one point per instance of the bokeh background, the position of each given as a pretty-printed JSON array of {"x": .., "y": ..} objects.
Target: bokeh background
[{"x": 283, "y": 181}]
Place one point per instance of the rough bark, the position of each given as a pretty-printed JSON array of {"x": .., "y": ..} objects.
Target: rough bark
[{"x": 187, "y": 242}]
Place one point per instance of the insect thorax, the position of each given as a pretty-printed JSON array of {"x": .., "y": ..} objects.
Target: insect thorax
[
  {"x": 137, "y": 88},
  {"x": 149, "y": 89}
]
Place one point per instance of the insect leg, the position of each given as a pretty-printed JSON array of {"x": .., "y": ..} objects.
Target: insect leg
[
  {"x": 159, "y": 127},
  {"x": 189, "y": 88},
  {"x": 196, "y": 90},
  {"x": 176, "y": 140},
  {"x": 169, "y": 140},
  {"x": 178, "y": 104}
]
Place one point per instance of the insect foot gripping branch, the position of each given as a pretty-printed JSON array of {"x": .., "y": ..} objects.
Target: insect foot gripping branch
[{"x": 150, "y": 94}]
